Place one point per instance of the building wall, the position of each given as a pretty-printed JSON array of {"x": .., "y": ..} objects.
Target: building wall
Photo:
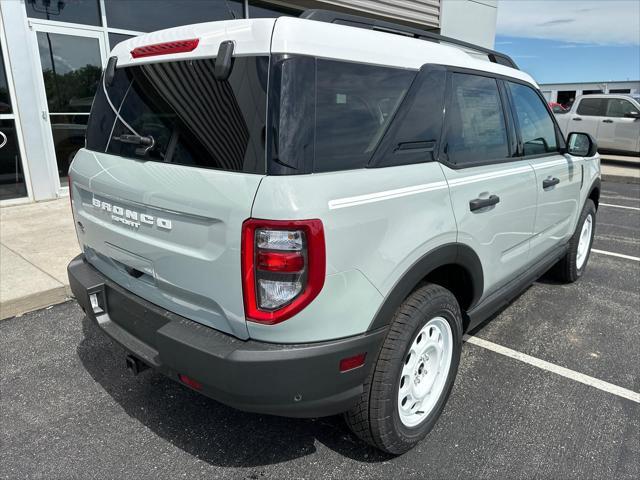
[
  {"x": 422, "y": 13},
  {"x": 473, "y": 21},
  {"x": 550, "y": 90}
]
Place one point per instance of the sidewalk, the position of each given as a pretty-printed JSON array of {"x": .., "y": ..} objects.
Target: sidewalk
[
  {"x": 620, "y": 169},
  {"x": 37, "y": 241}
]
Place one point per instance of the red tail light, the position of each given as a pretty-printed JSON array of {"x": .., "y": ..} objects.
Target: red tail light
[
  {"x": 283, "y": 267},
  {"x": 166, "y": 48}
]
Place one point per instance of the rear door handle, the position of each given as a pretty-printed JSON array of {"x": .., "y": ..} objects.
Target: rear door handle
[
  {"x": 478, "y": 203},
  {"x": 576, "y": 119},
  {"x": 550, "y": 182},
  {"x": 607, "y": 121}
]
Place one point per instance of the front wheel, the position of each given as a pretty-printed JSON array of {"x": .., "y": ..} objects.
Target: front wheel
[
  {"x": 412, "y": 379},
  {"x": 574, "y": 263}
]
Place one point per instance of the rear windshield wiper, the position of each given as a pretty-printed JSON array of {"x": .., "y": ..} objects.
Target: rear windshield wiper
[{"x": 146, "y": 142}]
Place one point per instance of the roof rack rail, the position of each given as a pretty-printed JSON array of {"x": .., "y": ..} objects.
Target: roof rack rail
[{"x": 367, "y": 23}]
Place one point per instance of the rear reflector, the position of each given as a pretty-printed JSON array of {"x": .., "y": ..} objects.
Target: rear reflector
[
  {"x": 190, "y": 382},
  {"x": 166, "y": 48},
  {"x": 350, "y": 363}
]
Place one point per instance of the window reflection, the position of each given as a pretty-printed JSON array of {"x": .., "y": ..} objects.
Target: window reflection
[
  {"x": 71, "y": 68},
  {"x": 68, "y": 137},
  {"x": 12, "y": 182},
  {"x": 5, "y": 100},
  {"x": 151, "y": 15},
  {"x": 537, "y": 129},
  {"x": 74, "y": 11},
  {"x": 476, "y": 127},
  {"x": 116, "y": 38}
]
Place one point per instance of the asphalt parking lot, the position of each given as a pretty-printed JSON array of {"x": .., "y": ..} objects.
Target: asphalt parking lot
[{"x": 68, "y": 408}]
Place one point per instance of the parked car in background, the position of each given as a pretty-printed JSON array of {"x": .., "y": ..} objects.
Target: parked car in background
[
  {"x": 557, "y": 108},
  {"x": 613, "y": 120}
]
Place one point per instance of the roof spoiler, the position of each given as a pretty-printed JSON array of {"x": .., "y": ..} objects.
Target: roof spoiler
[{"x": 358, "y": 21}]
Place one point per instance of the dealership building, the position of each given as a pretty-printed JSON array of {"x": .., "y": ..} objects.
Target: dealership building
[
  {"x": 53, "y": 52},
  {"x": 566, "y": 93}
]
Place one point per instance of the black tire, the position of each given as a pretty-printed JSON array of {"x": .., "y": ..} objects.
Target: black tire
[
  {"x": 566, "y": 270},
  {"x": 375, "y": 419}
]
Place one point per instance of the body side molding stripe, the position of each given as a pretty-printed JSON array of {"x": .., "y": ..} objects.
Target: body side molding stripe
[{"x": 385, "y": 195}]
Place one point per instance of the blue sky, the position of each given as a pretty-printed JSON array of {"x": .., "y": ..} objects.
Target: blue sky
[{"x": 571, "y": 40}]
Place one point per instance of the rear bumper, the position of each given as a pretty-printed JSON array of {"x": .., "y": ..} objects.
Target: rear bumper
[{"x": 300, "y": 380}]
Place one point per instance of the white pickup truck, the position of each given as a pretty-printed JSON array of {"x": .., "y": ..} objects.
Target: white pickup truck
[{"x": 613, "y": 120}]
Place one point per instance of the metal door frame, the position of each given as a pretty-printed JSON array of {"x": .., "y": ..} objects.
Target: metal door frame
[{"x": 84, "y": 31}]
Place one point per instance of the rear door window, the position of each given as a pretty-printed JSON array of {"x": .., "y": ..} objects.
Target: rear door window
[
  {"x": 355, "y": 104},
  {"x": 537, "y": 130},
  {"x": 191, "y": 118},
  {"x": 592, "y": 107},
  {"x": 415, "y": 133},
  {"x": 329, "y": 115},
  {"x": 476, "y": 128},
  {"x": 618, "y": 107}
]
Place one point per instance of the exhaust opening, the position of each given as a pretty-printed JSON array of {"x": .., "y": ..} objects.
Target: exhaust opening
[{"x": 135, "y": 365}]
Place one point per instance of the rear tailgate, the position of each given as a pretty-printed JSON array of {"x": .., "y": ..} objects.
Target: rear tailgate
[
  {"x": 165, "y": 223},
  {"x": 191, "y": 268}
]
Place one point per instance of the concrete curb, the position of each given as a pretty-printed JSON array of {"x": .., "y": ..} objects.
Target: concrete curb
[
  {"x": 34, "y": 301},
  {"x": 620, "y": 179}
]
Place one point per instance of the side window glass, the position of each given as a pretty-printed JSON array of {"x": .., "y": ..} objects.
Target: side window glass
[
  {"x": 476, "y": 130},
  {"x": 592, "y": 107},
  {"x": 354, "y": 105},
  {"x": 617, "y": 107},
  {"x": 537, "y": 129},
  {"x": 415, "y": 132}
]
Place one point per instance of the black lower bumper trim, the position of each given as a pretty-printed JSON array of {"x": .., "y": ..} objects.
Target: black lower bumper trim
[{"x": 301, "y": 380}]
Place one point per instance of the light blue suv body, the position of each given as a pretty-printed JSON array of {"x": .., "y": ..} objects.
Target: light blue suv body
[{"x": 264, "y": 217}]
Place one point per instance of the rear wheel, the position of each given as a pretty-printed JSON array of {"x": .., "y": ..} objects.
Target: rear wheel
[
  {"x": 574, "y": 263},
  {"x": 412, "y": 379}
]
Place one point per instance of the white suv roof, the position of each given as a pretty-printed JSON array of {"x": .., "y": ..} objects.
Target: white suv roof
[{"x": 308, "y": 37}]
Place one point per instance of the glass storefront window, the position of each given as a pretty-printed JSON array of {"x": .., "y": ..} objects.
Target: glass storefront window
[
  {"x": 150, "y": 15},
  {"x": 5, "y": 100},
  {"x": 86, "y": 12},
  {"x": 12, "y": 182},
  {"x": 270, "y": 10},
  {"x": 116, "y": 38},
  {"x": 71, "y": 68}
]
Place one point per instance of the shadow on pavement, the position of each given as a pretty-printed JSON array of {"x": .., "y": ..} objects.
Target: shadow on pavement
[{"x": 204, "y": 428}]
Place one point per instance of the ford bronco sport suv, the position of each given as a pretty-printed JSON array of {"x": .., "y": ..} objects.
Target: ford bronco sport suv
[{"x": 301, "y": 216}]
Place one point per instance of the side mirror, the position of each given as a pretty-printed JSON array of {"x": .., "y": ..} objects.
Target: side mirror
[
  {"x": 635, "y": 115},
  {"x": 581, "y": 145}
]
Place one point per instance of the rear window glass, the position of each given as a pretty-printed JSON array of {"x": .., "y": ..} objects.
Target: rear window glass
[
  {"x": 593, "y": 107},
  {"x": 330, "y": 115},
  {"x": 188, "y": 116},
  {"x": 476, "y": 129}
]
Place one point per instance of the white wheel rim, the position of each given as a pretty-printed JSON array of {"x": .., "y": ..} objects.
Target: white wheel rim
[
  {"x": 425, "y": 371},
  {"x": 585, "y": 241}
]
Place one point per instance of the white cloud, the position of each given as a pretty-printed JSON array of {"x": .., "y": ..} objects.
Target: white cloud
[{"x": 605, "y": 22}]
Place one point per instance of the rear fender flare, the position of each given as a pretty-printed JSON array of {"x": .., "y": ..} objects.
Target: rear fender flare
[{"x": 452, "y": 253}]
